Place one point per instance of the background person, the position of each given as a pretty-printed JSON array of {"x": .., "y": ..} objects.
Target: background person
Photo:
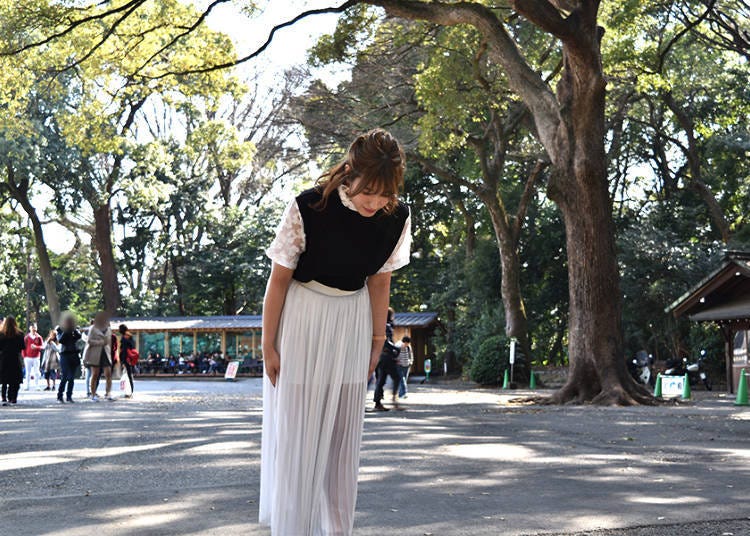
[
  {"x": 127, "y": 344},
  {"x": 11, "y": 347},
  {"x": 33, "y": 346},
  {"x": 404, "y": 361},
  {"x": 387, "y": 365},
  {"x": 51, "y": 360},
  {"x": 68, "y": 335},
  {"x": 85, "y": 367},
  {"x": 97, "y": 354}
]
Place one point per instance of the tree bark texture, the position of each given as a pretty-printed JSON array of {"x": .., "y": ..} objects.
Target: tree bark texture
[{"x": 103, "y": 243}]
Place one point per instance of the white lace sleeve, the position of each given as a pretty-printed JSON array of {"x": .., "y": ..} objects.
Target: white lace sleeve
[
  {"x": 289, "y": 242},
  {"x": 402, "y": 251}
]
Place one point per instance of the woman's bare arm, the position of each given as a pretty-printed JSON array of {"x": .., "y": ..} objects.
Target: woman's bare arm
[
  {"x": 273, "y": 303},
  {"x": 379, "y": 287}
]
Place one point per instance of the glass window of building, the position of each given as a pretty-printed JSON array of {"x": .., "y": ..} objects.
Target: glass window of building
[
  {"x": 180, "y": 343},
  {"x": 240, "y": 345},
  {"x": 208, "y": 342},
  {"x": 151, "y": 343}
]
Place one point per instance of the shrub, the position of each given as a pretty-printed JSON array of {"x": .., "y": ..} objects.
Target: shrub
[{"x": 490, "y": 360}]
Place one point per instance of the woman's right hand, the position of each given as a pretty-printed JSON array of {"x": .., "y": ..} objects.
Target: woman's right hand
[{"x": 271, "y": 364}]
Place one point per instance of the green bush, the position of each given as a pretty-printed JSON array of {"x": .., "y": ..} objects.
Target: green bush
[{"x": 490, "y": 360}]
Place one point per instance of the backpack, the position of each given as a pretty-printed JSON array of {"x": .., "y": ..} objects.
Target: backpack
[{"x": 390, "y": 350}]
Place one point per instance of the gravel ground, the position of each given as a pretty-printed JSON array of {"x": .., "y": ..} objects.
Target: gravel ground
[{"x": 182, "y": 457}]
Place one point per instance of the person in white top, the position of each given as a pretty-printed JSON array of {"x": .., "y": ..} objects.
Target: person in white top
[
  {"x": 51, "y": 360},
  {"x": 332, "y": 258},
  {"x": 404, "y": 361}
]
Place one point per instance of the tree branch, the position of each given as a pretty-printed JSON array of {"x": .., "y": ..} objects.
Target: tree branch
[
  {"x": 337, "y": 9},
  {"x": 443, "y": 173},
  {"x": 543, "y": 14},
  {"x": 528, "y": 193},
  {"x": 523, "y": 80},
  {"x": 179, "y": 36},
  {"x": 133, "y": 4},
  {"x": 689, "y": 25}
]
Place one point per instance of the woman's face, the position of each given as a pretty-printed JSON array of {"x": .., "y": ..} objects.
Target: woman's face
[
  {"x": 367, "y": 202},
  {"x": 100, "y": 320}
]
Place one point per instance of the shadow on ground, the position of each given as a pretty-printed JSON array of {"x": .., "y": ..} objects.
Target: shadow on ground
[{"x": 456, "y": 462}]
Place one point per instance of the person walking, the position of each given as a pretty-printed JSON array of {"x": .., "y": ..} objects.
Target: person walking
[
  {"x": 33, "y": 345},
  {"x": 98, "y": 354},
  {"x": 128, "y": 355},
  {"x": 11, "y": 348},
  {"x": 68, "y": 335},
  {"x": 85, "y": 367},
  {"x": 51, "y": 360},
  {"x": 387, "y": 366},
  {"x": 404, "y": 361},
  {"x": 333, "y": 255}
]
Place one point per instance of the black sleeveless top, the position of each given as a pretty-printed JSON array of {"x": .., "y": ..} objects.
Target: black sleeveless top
[{"x": 342, "y": 247}]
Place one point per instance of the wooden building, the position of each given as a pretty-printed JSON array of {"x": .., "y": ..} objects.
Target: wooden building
[
  {"x": 239, "y": 337},
  {"x": 723, "y": 297}
]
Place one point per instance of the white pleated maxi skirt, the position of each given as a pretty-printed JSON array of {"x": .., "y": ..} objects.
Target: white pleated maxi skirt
[{"x": 312, "y": 419}]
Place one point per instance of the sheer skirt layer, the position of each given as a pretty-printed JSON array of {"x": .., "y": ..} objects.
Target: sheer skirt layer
[{"x": 312, "y": 419}]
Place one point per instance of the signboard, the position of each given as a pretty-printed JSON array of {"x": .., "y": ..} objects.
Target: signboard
[
  {"x": 672, "y": 386},
  {"x": 232, "y": 368}
]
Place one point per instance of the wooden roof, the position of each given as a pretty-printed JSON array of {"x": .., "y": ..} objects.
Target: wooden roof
[
  {"x": 723, "y": 295},
  {"x": 239, "y": 322}
]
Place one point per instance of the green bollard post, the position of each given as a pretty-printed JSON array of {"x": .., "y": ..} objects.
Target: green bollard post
[
  {"x": 686, "y": 393},
  {"x": 657, "y": 386},
  {"x": 506, "y": 380},
  {"x": 742, "y": 390},
  {"x": 532, "y": 381}
]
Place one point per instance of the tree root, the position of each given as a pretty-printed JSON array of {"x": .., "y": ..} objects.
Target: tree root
[{"x": 626, "y": 395}]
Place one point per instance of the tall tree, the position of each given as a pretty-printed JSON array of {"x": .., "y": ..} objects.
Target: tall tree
[
  {"x": 570, "y": 125},
  {"x": 115, "y": 76},
  {"x": 33, "y": 152}
]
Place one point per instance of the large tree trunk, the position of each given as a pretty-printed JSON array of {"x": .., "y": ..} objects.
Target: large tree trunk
[
  {"x": 470, "y": 243},
  {"x": 516, "y": 323},
  {"x": 579, "y": 187},
  {"x": 21, "y": 194},
  {"x": 103, "y": 242}
]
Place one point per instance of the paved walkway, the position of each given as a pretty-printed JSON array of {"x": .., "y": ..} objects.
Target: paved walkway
[{"x": 183, "y": 458}]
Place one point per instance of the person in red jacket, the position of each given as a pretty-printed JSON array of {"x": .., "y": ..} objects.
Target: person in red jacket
[
  {"x": 33, "y": 344},
  {"x": 127, "y": 346}
]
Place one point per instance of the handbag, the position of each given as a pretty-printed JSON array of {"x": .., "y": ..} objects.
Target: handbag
[
  {"x": 132, "y": 356},
  {"x": 125, "y": 384}
]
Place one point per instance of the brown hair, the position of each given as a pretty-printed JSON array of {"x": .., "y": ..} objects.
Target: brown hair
[
  {"x": 52, "y": 336},
  {"x": 10, "y": 327},
  {"x": 377, "y": 158}
]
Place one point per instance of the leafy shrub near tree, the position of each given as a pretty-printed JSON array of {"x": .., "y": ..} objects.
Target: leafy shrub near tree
[{"x": 490, "y": 360}]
